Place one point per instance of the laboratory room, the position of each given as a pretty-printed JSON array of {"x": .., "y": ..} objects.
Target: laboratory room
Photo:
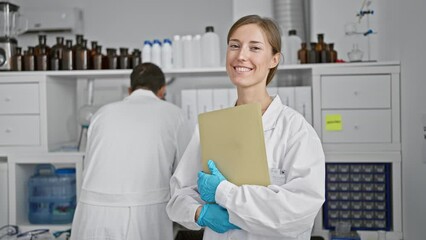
[{"x": 225, "y": 119}]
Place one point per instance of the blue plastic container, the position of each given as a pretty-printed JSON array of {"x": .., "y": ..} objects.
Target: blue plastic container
[{"x": 52, "y": 195}]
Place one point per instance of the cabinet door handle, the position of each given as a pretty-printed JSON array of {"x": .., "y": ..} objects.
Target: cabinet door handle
[
  {"x": 7, "y": 99},
  {"x": 8, "y": 130},
  {"x": 356, "y": 93},
  {"x": 356, "y": 127}
]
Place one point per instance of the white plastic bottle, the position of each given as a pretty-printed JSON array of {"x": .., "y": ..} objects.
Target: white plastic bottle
[
  {"x": 294, "y": 42},
  {"x": 156, "y": 53},
  {"x": 196, "y": 45},
  {"x": 166, "y": 54},
  {"x": 188, "y": 56},
  {"x": 177, "y": 49},
  {"x": 210, "y": 48},
  {"x": 146, "y": 51}
]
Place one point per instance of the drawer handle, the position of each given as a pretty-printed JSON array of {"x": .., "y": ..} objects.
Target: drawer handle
[
  {"x": 356, "y": 127},
  {"x": 7, "y": 99},
  {"x": 356, "y": 93},
  {"x": 8, "y": 130}
]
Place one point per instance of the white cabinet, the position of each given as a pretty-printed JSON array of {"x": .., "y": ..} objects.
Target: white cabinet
[{"x": 38, "y": 112}]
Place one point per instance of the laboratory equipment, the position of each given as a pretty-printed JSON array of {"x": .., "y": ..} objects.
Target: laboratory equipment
[
  {"x": 10, "y": 27},
  {"x": 343, "y": 232},
  {"x": 355, "y": 55},
  {"x": 85, "y": 113},
  {"x": 52, "y": 195},
  {"x": 8, "y": 232},
  {"x": 39, "y": 234}
]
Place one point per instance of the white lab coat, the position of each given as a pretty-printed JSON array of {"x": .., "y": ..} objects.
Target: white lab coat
[
  {"x": 133, "y": 148},
  {"x": 284, "y": 210}
]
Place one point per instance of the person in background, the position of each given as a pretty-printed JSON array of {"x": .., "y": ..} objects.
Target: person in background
[
  {"x": 286, "y": 209},
  {"x": 133, "y": 149}
]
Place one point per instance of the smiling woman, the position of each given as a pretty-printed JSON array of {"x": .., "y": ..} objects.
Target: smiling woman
[{"x": 286, "y": 209}]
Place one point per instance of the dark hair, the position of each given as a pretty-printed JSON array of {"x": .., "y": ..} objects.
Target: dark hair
[
  {"x": 271, "y": 30},
  {"x": 148, "y": 76}
]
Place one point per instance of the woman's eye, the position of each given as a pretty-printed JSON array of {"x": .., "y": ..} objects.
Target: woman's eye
[
  {"x": 255, "y": 48},
  {"x": 233, "y": 46}
]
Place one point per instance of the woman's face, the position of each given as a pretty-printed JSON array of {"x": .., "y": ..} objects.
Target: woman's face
[{"x": 249, "y": 57}]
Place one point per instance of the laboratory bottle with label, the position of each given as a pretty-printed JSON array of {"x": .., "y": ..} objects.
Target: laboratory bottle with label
[
  {"x": 166, "y": 54},
  {"x": 210, "y": 48},
  {"x": 156, "y": 53},
  {"x": 67, "y": 56},
  {"x": 146, "y": 51},
  {"x": 177, "y": 51},
  {"x": 17, "y": 59}
]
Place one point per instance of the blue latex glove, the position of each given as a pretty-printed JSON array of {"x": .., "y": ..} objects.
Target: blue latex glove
[
  {"x": 207, "y": 183},
  {"x": 216, "y": 218}
]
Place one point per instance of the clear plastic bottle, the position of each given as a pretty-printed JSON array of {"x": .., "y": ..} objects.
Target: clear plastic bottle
[
  {"x": 188, "y": 60},
  {"x": 196, "y": 53},
  {"x": 146, "y": 51},
  {"x": 166, "y": 54},
  {"x": 177, "y": 51},
  {"x": 210, "y": 48},
  {"x": 156, "y": 53},
  {"x": 293, "y": 44}
]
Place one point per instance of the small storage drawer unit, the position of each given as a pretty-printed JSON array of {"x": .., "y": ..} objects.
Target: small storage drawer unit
[
  {"x": 355, "y": 91},
  {"x": 18, "y": 130},
  {"x": 359, "y": 126},
  {"x": 359, "y": 193},
  {"x": 19, "y": 98}
]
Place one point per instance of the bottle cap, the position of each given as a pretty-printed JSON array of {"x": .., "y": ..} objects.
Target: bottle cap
[
  {"x": 156, "y": 41},
  {"x": 166, "y": 40},
  {"x": 209, "y": 29},
  {"x": 65, "y": 171},
  {"x": 147, "y": 42}
]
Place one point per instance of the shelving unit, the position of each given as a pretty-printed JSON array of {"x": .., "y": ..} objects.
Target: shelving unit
[{"x": 58, "y": 95}]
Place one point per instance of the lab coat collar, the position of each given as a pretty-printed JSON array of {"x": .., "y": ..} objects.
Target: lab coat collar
[
  {"x": 141, "y": 93},
  {"x": 271, "y": 114}
]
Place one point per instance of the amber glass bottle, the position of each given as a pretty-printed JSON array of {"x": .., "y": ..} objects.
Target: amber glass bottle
[
  {"x": 81, "y": 56},
  {"x": 29, "y": 62},
  {"x": 136, "y": 58},
  {"x": 56, "y": 54},
  {"x": 17, "y": 60},
  {"x": 123, "y": 62},
  {"x": 42, "y": 53},
  {"x": 67, "y": 56},
  {"x": 321, "y": 49},
  {"x": 92, "y": 53},
  {"x": 112, "y": 58},
  {"x": 333, "y": 53},
  {"x": 313, "y": 54},
  {"x": 302, "y": 54},
  {"x": 98, "y": 58}
]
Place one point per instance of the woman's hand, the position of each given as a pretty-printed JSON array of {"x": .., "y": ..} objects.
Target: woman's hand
[{"x": 207, "y": 183}]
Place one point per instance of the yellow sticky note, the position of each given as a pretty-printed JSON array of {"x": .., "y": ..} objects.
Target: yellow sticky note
[{"x": 333, "y": 122}]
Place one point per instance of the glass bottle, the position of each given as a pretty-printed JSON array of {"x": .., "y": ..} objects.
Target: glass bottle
[
  {"x": 313, "y": 54},
  {"x": 92, "y": 53},
  {"x": 320, "y": 47},
  {"x": 123, "y": 62},
  {"x": 112, "y": 58},
  {"x": 42, "y": 52},
  {"x": 135, "y": 58},
  {"x": 29, "y": 62},
  {"x": 302, "y": 54},
  {"x": 98, "y": 58},
  {"x": 67, "y": 56},
  {"x": 77, "y": 46},
  {"x": 41, "y": 60},
  {"x": 333, "y": 53},
  {"x": 17, "y": 60},
  {"x": 81, "y": 56},
  {"x": 56, "y": 53}
]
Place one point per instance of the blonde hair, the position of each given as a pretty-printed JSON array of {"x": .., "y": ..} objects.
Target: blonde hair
[{"x": 271, "y": 30}]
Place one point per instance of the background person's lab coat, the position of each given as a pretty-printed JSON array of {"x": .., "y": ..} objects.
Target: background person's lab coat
[
  {"x": 133, "y": 148},
  {"x": 284, "y": 210}
]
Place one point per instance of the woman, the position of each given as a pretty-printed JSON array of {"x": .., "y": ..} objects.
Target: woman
[{"x": 286, "y": 209}]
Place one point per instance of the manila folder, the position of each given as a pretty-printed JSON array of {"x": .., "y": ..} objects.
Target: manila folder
[{"x": 233, "y": 139}]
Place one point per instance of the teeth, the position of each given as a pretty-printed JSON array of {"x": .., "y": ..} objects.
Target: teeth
[{"x": 242, "y": 69}]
